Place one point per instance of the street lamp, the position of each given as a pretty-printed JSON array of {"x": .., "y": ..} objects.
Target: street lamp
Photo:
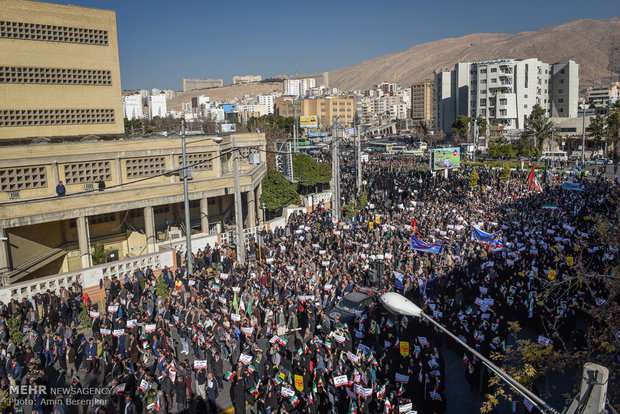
[
  {"x": 185, "y": 172},
  {"x": 398, "y": 304}
]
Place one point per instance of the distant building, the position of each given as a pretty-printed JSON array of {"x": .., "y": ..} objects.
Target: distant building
[
  {"x": 194, "y": 84},
  {"x": 320, "y": 79},
  {"x": 504, "y": 92},
  {"x": 60, "y": 74},
  {"x": 157, "y": 106},
  {"x": 345, "y": 107},
  {"x": 246, "y": 79},
  {"x": 604, "y": 93},
  {"x": 297, "y": 87},
  {"x": 422, "y": 96},
  {"x": 564, "y": 89},
  {"x": 132, "y": 107},
  {"x": 267, "y": 100}
]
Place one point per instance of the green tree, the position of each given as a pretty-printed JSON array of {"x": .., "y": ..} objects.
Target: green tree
[
  {"x": 503, "y": 151},
  {"x": 15, "y": 329},
  {"x": 161, "y": 288},
  {"x": 482, "y": 126},
  {"x": 474, "y": 177},
  {"x": 598, "y": 130},
  {"x": 84, "y": 317},
  {"x": 538, "y": 126},
  {"x": 310, "y": 173},
  {"x": 525, "y": 150},
  {"x": 278, "y": 192},
  {"x": 505, "y": 174},
  {"x": 461, "y": 125},
  {"x": 362, "y": 199},
  {"x": 613, "y": 127},
  {"x": 100, "y": 254}
]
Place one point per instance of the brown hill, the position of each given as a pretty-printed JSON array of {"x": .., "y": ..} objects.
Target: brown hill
[{"x": 594, "y": 44}]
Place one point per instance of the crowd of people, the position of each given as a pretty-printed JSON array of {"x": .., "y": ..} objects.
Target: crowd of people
[{"x": 167, "y": 341}]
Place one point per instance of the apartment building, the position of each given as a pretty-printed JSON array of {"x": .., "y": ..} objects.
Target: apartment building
[
  {"x": 297, "y": 87},
  {"x": 157, "y": 106},
  {"x": 239, "y": 80},
  {"x": 53, "y": 60},
  {"x": 604, "y": 93},
  {"x": 345, "y": 107},
  {"x": 267, "y": 100},
  {"x": 422, "y": 97},
  {"x": 132, "y": 107},
  {"x": 503, "y": 91}
]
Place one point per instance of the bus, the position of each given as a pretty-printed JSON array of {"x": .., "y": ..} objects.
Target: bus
[
  {"x": 386, "y": 147},
  {"x": 551, "y": 156}
]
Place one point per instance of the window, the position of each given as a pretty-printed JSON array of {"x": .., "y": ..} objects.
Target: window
[
  {"x": 493, "y": 80},
  {"x": 525, "y": 96},
  {"x": 483, "y": 70},
  {"x": 503, "y": 101},
  {"x": 560, "y": 90},
  {"x": 561, "y": 81},
  {"x": 561, "y": 100},
  {"x": 48, "y": 117},
  {"x": 483, "y": 102},
  {"x": 48, "y": 33},
  {"x": 145, "y": 167},
  {"x": 87, "y": 172},
  {"x": 562, "y": 71},
  {"x": 55, "y": 76},
  {"x": 201, "y": 161},
  {"x": 503, "y": 112},
  {"x": 561, "y": 110},
  {"x": 525, "y": 106},
  {"x": 23, "y": 178},
  {"x": 493, "y": 70},
  {"x": 483, "y": 81}
]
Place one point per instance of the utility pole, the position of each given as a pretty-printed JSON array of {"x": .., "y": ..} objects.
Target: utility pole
[
  {"x": 358, "y": 158},
  {"x": 583, "y": 137},
  {"x": 238, "y": 208},
  {"x": 294, "y": 126},
  {"x": 475, "y": 137},
  {"x": 335, "y": 172},
  {"x": 188, "y": 232}
]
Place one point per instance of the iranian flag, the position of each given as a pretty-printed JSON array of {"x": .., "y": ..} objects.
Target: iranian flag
[
  {"x": 397, "y": 345},
  {"x": 253, "y": 391},
  {"x": 515, "y": 406},
  {"x": 294, "y": 401},
  {"x": 536, "y": 185},
  {"x": 229, "y": 376},
  {"x": 550, "y": 206},
  {"x": 530, "y": 178}
]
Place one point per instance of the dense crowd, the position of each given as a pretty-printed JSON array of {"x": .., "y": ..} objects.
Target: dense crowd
[{"x": 168, "y": 343}]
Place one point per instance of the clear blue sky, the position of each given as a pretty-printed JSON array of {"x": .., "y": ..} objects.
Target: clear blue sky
[{"x": 161, "y": 42}]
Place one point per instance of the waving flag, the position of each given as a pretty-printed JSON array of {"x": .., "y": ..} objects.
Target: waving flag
[
  {"x": 530, "y": 178},
  {"x": 417, "y": 244},
  {"x": 490, "y": 240}
]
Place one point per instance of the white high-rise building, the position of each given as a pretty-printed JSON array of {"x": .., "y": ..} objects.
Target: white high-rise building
[
  {"x": 298, "y": 87},
  {"x": 132, "y": 107},
  {"x": 267, "y": 100},
  {"x": 503, "y": 92},
  {"x": 157, "y": 106},
  {"x": 564, "y": 89}
]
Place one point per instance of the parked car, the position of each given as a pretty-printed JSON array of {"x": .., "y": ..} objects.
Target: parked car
[
  {"x": 360, "y": 301},
  {"x": 600, "y": 161}
]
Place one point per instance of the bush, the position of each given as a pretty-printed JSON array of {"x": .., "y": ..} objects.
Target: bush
[
  {"x": 161, "y": 288},
  {"x": 15, "y": 329},
  {"x": 505, "y": 174},
  {"x": 84, "y": 318},
  {"x": 473, "y": 179}
]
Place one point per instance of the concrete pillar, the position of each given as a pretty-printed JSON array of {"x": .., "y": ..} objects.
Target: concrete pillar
[
  {"x": 5, "y": 253},
  {"x": 204, "y": 215},
  {"x": 119, "y": 170},
  {"x": 251, "y": 209},
  {"x": 149, "y": 229},
  {"x": 259, "y": 206},
  {"x": 83, "y": 241},
  {"x": 55, "y": 177}
]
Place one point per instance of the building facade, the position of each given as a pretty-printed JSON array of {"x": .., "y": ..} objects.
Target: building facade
[
  {"x": 44, "y": 234},
  {"x": 54, "y": 59},
  {"x": 344, "y": 107},
  {"x": 132, "y": 107},
  {"x": 297, "y": 87},
  {"x": 422, "y": 96},
  {"x": 246, "y": 79},
  {"x": 504, "y": 92},
  {"x": 604, "y": 93},
  {"x": 157, "y": 106},
  {"x": 194, "y": 84},
  {"x": 267, "y": 100}
]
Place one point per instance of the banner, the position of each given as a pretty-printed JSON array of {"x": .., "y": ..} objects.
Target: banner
[
  {"x": 299, "y": 382},
  {"x": 417, "y": 244},
  {"x": 572, "y": 186},
  {"x": 404, "y": 349},
  {"x": 490, "y": 240}
]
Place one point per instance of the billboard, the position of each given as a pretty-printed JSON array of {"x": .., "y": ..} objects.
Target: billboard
[
  {"x": 311, "y": 121},
  {"x": 229, "y": 128},
  {"x": 444, "y": 158}
]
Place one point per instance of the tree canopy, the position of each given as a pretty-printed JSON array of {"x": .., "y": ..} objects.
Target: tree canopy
[
  {"x": 538, "y": 126},
  {"x": 278, "y": 192},
  {"x": 309, "y": 172},
  {"x": 461, "y": 125}
]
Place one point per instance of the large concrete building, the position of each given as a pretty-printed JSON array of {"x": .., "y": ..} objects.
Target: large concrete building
[
  {"x": 194, "y": 84},
  {"x": 345, "y": 107},
  {"x": 604, "y": 93},
  {"x": 422, "y": 96},
  {"x": 132, "y": 107},
  {"x": 246, "y": 79},
  {"x": 53, "y": 60},
  {"x": 157, "y": 106},
  {"x": 43, "y": 234},
  {"x": 504, "y": 92}
]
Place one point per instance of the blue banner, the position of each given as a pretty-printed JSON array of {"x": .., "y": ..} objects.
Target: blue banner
[
  {"x": 572, "y": 186},
  {"x": 490, "y": 240},
  {"x": 417, "y": 244}
]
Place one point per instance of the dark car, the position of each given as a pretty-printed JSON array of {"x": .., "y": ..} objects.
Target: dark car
[{"x": 360, "y": 300}]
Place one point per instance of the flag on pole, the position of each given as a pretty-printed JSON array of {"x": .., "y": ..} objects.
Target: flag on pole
[
  {"x": 465, "y": 358},
  {"x": 530, "y": 178}
]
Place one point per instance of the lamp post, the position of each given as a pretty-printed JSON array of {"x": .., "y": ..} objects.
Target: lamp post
[
  {"x": 583, "y": 134},
  {"x": 398, "y": 304},
  {"x": 185, "y": 172}
]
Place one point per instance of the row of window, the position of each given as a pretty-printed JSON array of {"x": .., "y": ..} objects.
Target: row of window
[
  {"x": 50, "y": 117},
  {"x": 22, "y": 178},
  {"x": 50, "y": 33},
  {"x": 55, "y": 76}
]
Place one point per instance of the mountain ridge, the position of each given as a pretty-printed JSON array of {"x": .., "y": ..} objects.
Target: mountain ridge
[{"x": 598, "y": 54}]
